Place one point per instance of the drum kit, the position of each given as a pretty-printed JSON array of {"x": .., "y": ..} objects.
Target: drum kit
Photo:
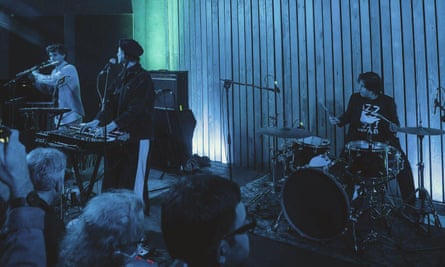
[{"x": 317, "y": 192}]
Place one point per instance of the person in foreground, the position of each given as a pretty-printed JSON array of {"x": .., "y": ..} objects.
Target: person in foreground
[
  {"x": 106, "y": 233},
  {"x": 47, "y": 170},
  {"x": 23, "y": 243},
  {"x": 204, "y": 222},
  {"x": 372, "y": 117}
]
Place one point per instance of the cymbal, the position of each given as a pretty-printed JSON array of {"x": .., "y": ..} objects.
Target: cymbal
[
  {"x": 51, "y": 110},
  {"x": 285, "y": 132},
  {"x": 421, "y": 131}
]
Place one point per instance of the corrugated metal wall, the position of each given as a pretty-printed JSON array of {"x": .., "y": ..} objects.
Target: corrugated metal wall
[{"x": 314, "y": 49}]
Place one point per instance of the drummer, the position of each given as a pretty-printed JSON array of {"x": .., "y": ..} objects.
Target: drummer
[{"x": 372, "y": 116}]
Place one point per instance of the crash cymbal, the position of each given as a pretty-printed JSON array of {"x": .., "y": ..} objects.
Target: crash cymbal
[
  {"x": 421, "y": 131},
  {"x": 285, "y": 132}
]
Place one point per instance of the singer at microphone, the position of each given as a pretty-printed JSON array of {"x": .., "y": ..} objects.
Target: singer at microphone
[
  {"x": 63, "y": 81},
  {"x": 106, "y": 68}
]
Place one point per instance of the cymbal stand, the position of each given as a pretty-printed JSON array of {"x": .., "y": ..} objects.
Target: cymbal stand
[
  {"x": 372, "y": 194},
  {"x": 426, "y": 202},
  {"x": 227, "y": 85}
]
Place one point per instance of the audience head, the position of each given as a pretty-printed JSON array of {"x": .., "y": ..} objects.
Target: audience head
[
  {"x": 47, "y": 169},
  {"x": 106, "y": 232},
  {"x": 371, "y": 81},
  {"x": 201, "y": 220}
]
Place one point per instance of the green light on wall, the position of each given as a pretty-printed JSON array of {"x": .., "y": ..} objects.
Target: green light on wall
[{"x": 156, "y": 28}]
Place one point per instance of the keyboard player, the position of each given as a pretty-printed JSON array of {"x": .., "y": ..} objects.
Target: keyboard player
[{"x": 128, "y": 106}]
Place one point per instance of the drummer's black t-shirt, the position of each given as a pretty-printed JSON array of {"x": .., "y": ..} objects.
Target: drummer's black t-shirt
[{"x": 368, "y": 119}]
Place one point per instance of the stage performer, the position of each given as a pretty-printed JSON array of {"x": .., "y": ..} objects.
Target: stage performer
[
  {"x": 63, "y": 84},
  {"x": 128, "y": 108},
  {"x": 372, "y": 116}
]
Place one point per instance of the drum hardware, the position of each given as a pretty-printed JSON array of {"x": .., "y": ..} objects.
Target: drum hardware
[
  {"x": 372, "y": 165},
  {"x": 375, "y": 160},
  {"x": 308, "y": 148},
  {"x": 276, "y": 223},
  {"x": 426, "y": 203},
  {"x": 372, "y": 199},
  {"x": 284, "y": 132}
]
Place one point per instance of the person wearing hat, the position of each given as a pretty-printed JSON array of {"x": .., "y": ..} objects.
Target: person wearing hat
[{"x": 128, "y": 108}]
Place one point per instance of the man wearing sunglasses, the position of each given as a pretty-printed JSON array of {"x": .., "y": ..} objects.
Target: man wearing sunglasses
[{"x": 204, "y": 222}]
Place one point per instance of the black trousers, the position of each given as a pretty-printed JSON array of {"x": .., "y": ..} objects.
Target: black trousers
[{"x": 120, "y": 167}]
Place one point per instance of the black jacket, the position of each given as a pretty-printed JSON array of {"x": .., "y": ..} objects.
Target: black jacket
[{"x": 130, "y": 103}]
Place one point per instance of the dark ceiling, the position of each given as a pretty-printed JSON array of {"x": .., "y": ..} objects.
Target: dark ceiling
[{"x": 58, "y": 7}]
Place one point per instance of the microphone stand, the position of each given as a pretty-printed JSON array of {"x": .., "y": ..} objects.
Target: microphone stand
[
  {"x": 438, "y": 103},
  {"x": 55, "y": 98},
  {"x": 275, "y": 141},
  {"x": 227, "y": 85},
  {"x": 99, "y": 157}
]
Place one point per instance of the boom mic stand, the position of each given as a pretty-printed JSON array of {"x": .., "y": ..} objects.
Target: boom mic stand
[{"x": 227, "y": 85}]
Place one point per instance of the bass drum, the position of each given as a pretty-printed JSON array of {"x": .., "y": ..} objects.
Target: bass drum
[{"x": 315, "y": 204}]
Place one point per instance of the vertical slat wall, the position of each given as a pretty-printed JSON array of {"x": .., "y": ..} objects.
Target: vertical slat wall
[{"x": 314, "y": 50}]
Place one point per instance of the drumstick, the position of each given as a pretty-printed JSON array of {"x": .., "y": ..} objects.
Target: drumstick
[
  {"x": 325, "y": 108},
  {"x": 382, "y": 117}
]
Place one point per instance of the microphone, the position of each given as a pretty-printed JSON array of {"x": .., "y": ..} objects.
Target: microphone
[
  {"x": 227, "y": 83},
  {"x": 436, "y": 101},
  {"x": 275, "y": 85},
  {"x": 107, "y": 66}
]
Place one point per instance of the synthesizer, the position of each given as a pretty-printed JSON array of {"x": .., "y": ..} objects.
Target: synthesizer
[{"x": 76, "y": 138}]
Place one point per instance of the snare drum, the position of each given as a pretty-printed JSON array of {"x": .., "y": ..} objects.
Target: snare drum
[
  {"x": 307, "y": 148},
  {"x": 373, "y": 159}
]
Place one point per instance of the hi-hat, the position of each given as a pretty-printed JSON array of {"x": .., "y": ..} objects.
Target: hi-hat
[
  {"x": 421, "y": 131},
  {"x": 285, "y": 132}
]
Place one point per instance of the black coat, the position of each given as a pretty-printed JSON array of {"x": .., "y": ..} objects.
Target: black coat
[{"x": 130, "y": 103}]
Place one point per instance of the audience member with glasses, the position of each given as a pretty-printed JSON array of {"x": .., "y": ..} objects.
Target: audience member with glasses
[{"x": 204, "y": 222}]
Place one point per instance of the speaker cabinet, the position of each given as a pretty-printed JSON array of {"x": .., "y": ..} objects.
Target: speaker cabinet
[
  {"x": 171, "y": 88},
  {"x": 173, "y": 135}
]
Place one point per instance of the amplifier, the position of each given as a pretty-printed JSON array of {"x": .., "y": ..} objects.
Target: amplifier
[{"x": 171, "y": 88}]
